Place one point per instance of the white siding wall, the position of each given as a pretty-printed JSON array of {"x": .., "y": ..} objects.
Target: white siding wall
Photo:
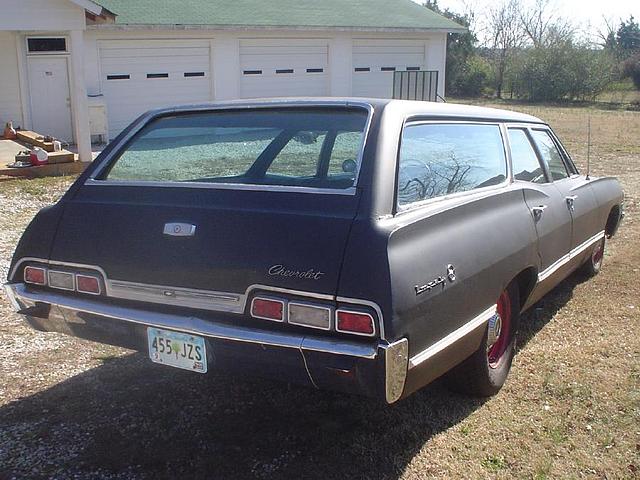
[
  {"x": 54, "y": 15},
  {"x": 226, "y": 58},
  {"x": 10, "y": 105}
]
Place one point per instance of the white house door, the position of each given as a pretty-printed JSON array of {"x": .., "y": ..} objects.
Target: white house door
[
  {"x": 50, "y": 98},
  {"x": 374, "y": 62},
  {"x": 139, "y": 75},
  {"x": 283, "y": 68}
]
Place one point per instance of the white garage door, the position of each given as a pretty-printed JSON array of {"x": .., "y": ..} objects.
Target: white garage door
[
  {"x": 283, "y": 68},
  {"x": 374, "y": 62},
  {"x": 138, "y": 75}
]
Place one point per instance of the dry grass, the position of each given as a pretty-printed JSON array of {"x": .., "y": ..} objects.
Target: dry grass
[{"x": 571, "y": 407}]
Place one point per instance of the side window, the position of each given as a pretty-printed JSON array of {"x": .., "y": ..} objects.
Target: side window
[
  {"x": 442, "y": 159},
  {"x": 550, "y": 154},
  {"x": 526, "y": 165},
  {"x": 299, "y": 157},
  {"x": 344, "y": 156}
]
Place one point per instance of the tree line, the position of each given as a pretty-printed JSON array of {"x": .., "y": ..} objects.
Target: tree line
[{"x": 528, "y": 52}]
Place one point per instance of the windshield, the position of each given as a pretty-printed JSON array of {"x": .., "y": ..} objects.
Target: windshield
[{"x": 290, "y": 147}]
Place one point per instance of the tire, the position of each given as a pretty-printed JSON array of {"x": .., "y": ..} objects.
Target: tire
[
  {"x": 593, "y": 265},
  {"x": 484, "y": 373}
]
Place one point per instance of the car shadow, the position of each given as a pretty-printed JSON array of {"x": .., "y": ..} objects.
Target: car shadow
[{"x": 129, "y": 418}]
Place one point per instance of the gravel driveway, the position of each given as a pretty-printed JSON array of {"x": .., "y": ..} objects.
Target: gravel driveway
[{"x": 571, "y": 408}]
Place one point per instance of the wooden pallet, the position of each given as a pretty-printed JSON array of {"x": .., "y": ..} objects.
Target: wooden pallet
[
  {"x": 51, "y": 170},
  {"x": 31, "y": 138}
]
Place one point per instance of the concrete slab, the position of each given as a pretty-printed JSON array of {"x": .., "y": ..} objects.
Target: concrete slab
[{"x": 8, "y": 150}]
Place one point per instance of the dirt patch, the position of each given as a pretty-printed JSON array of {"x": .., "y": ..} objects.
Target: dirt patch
[{"x": 570, "y": 409}]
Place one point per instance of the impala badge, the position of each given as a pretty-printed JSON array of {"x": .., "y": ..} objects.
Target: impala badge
[
  {"x": 440, "y": 281},
  {"x": 179, "y": 229}
]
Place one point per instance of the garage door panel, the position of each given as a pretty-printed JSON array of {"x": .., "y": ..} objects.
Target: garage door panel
[
  {"x": 377, "y": 59},
  {"x": 283, "y": 68},
  {"x": 130, "y": 83}
]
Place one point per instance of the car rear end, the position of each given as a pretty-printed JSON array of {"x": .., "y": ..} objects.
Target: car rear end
[{"x": 213, "y": 238}]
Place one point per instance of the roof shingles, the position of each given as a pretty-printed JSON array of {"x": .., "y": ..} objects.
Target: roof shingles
[{"x": 359, "y": 14}]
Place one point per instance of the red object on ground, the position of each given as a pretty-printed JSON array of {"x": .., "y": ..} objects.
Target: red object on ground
[{"x": 38, "y": 157}]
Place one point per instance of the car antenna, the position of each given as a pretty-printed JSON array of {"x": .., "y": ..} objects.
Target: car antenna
[{"x": 588, "y": 147}]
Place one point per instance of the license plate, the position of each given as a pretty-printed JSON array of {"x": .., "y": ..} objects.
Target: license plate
[{"x": 180, "y": 350}]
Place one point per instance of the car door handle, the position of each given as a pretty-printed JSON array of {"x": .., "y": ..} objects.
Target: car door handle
[
  {"x": 538, "y": 211},
  {"x": 570, "y": 201}
]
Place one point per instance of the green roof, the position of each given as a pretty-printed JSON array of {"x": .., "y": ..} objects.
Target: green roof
[{"x": 357, "y": 14}]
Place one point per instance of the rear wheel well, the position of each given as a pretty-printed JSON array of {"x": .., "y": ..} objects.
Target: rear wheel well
[
  {"x": 525, "y": 280},
  {"x": 613, "y": 220}
]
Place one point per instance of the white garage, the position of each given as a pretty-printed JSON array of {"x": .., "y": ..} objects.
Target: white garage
[
  {"x": 61, "y": 69},
  {"x": 138, "y": 75},
  {"x": 283, "y": 68},
  {"x": 375, "y": 60}
]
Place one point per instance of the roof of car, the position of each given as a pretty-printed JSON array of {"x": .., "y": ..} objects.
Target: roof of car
[{"x": 436, "y": 110}]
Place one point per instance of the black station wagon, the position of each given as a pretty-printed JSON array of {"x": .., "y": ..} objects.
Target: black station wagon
[{"x": 364, "y": 246}]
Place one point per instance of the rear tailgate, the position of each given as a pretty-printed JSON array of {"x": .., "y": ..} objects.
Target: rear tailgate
[{"x": 241, "y": 238}]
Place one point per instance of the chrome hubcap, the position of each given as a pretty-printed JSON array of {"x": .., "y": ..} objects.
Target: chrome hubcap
[{"x": 494, "y": 330}]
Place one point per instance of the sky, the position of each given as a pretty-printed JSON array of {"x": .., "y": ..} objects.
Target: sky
[{"x": 589, "y": 15}]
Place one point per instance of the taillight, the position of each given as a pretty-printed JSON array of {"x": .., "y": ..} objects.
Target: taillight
[
  {"x": 88, "y": 284},
  {"x": 357, "y": 323},
  {"x": 267, "y": 309},
  {"x": 309, "y": 315},
  {"x": 62, "y": 280},
  {"x": 35, "y": 275}
]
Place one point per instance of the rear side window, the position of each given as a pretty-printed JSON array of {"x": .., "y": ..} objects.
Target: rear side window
[
  {"x": 550, "y": 154},
  {"x": 285, "y": 147},
  {"x": 443, "y": 159},
  {"x": 526, "y": 166}
]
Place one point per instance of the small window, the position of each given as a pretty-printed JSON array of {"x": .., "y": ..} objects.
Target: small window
[
  {"x": 443, "y": 159},
  {"x": 300, "y": 156},
  {"x": 118, "y": 77},
  {"x": 157, "y": 75},
  {"x": 344, "y": 156},
  {"x": 252, "y": 72},
  {"x": 315, "y": 70},
  {"x": 363, "y": 69},
  {"x": 193, "y": 74},
  {"x": 284, "y": 70},
  {"x": 388, "y": 69},
  {"x": 526, "y": 166},
  {"x": 413, "y": 69},
  {"x": 46, "y": 45},
  {"x": 550, "y": 154}
]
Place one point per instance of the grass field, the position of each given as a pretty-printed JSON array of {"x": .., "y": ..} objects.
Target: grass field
[{"x": 570, "y": 409}]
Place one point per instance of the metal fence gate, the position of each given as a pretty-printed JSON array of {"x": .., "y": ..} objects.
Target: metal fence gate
[{"x": 416, "y": 85}]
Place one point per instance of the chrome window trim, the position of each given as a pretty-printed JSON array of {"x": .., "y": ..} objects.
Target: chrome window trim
[
  {"x": 562, "y": 261},
  {"x": 104, "y": 162},
  {"x": 223, "y": 186},
  {"x": 239, "y": 301},
  {"x": 491, "y": 188},
  {"x": 452, "y": 338}
]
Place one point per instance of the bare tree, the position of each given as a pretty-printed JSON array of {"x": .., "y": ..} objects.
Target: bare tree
[
  {"x": 507, "y": 35},
  {"x": 543, "y": 26}
]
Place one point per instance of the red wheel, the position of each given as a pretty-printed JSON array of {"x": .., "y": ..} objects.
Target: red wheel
[
  {"x": 486, "y": 370},
  {"x": 593, "y": 265},
  {"x": 499, "y": 330}
]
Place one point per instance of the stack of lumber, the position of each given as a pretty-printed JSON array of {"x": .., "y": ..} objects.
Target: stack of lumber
[{"x": 32, "y": 138}]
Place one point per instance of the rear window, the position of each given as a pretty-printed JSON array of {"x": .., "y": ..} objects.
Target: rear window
[
  {"x": 443, "y": 159},
  {"x": 317, "y": 148}
]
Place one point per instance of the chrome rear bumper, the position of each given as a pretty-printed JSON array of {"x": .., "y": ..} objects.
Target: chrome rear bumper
[{"x": 377, "y": 368}]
